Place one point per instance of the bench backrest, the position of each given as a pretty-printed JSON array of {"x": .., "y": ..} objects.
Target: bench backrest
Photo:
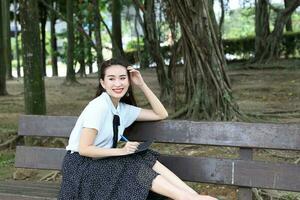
[{"x": 242, "y": 172}]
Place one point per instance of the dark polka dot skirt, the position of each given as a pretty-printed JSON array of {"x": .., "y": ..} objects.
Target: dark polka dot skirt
[{"x": 115, "y": 178}]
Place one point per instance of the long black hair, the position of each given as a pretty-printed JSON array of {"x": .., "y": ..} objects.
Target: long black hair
[{"x": 128, "y": 98}]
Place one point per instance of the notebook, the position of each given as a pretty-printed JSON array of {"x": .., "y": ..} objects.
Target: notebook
[{"x": 144, "y": 146}]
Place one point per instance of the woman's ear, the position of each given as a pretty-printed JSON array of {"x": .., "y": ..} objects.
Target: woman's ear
[{"x": 102, "y": 83}]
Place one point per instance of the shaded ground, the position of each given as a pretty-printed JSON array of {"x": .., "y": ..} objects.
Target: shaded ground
[{"x": 270, "y": 94}]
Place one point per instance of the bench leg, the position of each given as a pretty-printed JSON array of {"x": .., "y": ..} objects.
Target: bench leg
[{"x": 244, "y": 193}]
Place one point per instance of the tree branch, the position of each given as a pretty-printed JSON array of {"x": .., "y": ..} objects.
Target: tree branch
[
  {"x": 79, "y": 28},
  {"x": 140, "y": 5},
  {"x": 292, "y": 6},
  {"x": 106, "y": 27}
]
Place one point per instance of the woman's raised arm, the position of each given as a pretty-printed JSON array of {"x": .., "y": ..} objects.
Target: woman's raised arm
[{"x": 158, "y": 111}]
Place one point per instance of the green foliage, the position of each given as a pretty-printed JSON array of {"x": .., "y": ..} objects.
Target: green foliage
[
  {"x": 241, "y": 46},
  {"x": 290, "y": 45},
  {"x": 290, "y": 196},
  {"x": 133, "y": 45},
  {"x": 240, "y": 23},
  {"x": 62, "y": 50},
  {"x": 296, "y": 20},
  {"x": 245, "y": 47},
  {"x": 6, "y": 159}
]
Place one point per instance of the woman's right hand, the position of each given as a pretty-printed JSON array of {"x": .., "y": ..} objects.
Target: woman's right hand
[{"x": 130, "y": 147}]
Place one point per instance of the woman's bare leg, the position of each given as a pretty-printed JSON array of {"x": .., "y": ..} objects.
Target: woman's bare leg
[
  {"x": 174, "y": 180},
  {"x": 171, "y": 177},
  {"x": 162, "y": 186}
]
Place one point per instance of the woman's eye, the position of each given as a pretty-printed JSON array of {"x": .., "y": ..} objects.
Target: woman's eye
[
  {"x": 123, "y": 78},
  {"x": 111, "y": 79}
]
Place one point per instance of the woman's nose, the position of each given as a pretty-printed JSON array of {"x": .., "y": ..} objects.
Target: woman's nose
[{"x": 118, "y": 83}]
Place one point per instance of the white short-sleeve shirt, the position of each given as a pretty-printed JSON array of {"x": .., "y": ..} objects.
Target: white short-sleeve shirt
[{"x": 98, "y": 114}]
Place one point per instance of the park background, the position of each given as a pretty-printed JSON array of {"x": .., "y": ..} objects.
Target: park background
[{"x": 221, "y": 60}]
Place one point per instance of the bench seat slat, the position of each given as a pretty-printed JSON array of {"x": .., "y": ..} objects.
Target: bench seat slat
[
  {"x": 235, "y": 134},
  {"x": 210, "y": 170},
  {"x": 28, "y": 190},
  {"x": 39, "y": 157}
]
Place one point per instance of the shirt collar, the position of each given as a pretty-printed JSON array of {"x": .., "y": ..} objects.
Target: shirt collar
[{"x": 114, "y": 110}]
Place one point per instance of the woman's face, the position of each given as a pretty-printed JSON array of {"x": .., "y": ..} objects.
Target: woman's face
[{"x": 116, "y": 82}]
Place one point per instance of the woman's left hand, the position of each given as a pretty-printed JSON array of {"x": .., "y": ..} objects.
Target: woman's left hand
[{"x": 135, "y": 77}]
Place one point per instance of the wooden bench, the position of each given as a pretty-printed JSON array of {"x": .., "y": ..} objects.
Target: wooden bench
[{"x": 243, "y": 172}]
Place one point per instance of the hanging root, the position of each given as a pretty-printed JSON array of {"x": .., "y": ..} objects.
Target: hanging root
[
  {"x": 9, "y": 142},
  {"x": 179, "y": 113},
  {"x": 256, "y": 194},
  {"x": 261, "y": 194},
  {"x": 51, "y": 176}
]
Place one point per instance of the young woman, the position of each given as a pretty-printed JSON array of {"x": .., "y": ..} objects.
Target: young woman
[{"x": 95, "y": 168}]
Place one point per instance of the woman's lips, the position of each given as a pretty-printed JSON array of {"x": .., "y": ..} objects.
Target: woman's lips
[{"x": 118, "y": 91}]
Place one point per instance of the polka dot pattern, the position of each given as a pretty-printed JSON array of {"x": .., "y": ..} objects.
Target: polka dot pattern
[{"x": 113, "y": 178}]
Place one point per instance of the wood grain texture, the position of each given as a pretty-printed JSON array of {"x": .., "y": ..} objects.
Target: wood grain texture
[
  {"x": 246, "y": 173},
  {"x": 235, "y": 134}
]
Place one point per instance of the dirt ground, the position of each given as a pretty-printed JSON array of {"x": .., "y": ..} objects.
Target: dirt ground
[{"x": 269, "y": 94}]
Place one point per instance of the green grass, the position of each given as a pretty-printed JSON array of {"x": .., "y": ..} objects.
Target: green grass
[{"x": 7, "y": 159}]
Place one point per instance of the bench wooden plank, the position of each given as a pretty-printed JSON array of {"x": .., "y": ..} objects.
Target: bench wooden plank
[
  {"x": 245, "y": 192},
  {"x": 39, "y": 157},
  {"x": 235, "y": 134},
  {"x": 245, "y": 173},
  {"x": 37, "y": 125},
  {"x": 10, "y": 196},
  {"x": 17, "y": 190}
]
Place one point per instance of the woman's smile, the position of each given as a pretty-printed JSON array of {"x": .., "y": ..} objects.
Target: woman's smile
[{"x": 118, "y": 90}]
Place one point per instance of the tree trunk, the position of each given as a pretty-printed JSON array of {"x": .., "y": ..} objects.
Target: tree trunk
[
  {"x": 117, "y": 46},
  {"x": 154, "y": 48},
  {"x": 211, "y": 12},
  {"x": 81, "y": 57},
  {"x": 262, "y": 26},
  {"x": 89, "y": 51},
  {"x": 3, "y": 90},
  {"x": 81, "y": 46},
  {"x": 271, "y": 50},
  {"x": 43, "y": 20},
  {"x": 97, "y": 33},
  {"x": 289, "y": 24},
  {"x": 208, "y": 93},
  {"x": 175, "y": 56},
  {"x": 17, "y": 41},
  {"x": 35, "y": 102},
  {"x": 144, "y": 55},
  {"x": 70, "y": 50},
  {"x": 138, "y": 40},
  {"x": 53, "y": 41},
  {"x": 290, "y": 49},
  {"x": 215, "y": 24},
  {"x": 221, "y": 19},
  {"x": 6, "y": 35}
]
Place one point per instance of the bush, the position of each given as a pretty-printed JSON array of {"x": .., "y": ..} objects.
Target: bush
[
  {"x": 245, "y": 47},
  {"x": 242, "y": 48}
]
